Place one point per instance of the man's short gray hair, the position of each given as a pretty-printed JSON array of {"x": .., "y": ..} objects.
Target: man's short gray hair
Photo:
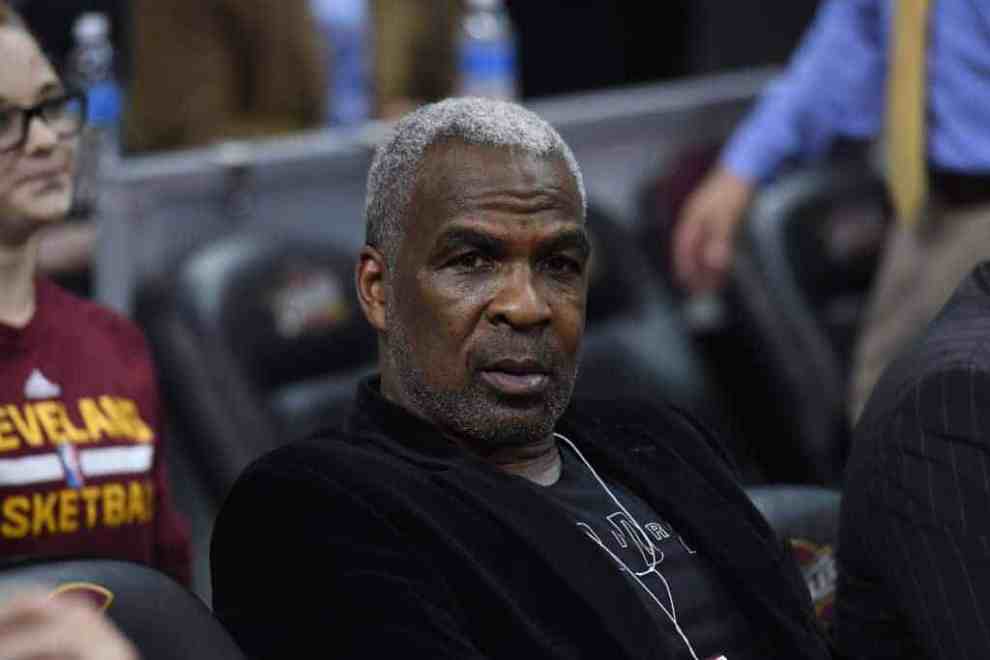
[{"x": 487, "y": 122}]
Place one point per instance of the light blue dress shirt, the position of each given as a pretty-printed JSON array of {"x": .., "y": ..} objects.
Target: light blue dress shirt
[{"x": 835, "y": 86}]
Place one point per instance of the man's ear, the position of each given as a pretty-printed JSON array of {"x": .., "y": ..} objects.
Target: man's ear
[{"x": 369, "y": 278}]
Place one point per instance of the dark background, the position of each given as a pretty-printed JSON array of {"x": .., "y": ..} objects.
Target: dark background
[
  {"x": 568, "y": 45},
  {"x": 578, "y": 45}
]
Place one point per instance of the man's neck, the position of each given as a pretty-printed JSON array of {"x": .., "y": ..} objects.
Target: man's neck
[
  {"x": 538, "y": 463},
  {"x": 17, "y": 294}
]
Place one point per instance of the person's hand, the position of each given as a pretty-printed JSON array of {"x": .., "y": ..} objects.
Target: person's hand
[
  {"x": 34, "y": 626},
  {"x": 705, "y": 233}
]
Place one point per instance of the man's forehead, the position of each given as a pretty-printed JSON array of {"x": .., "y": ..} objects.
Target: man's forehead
[
  {"x": 524, "y": 230},
  {"x": 455, "y": 175}
]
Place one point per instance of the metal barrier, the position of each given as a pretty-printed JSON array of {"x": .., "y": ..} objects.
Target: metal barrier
[{"x": 154, "y": 209}]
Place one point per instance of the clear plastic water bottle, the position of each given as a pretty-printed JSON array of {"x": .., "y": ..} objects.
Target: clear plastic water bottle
[
  {"x": 91, "y": 69},
  {"x": 347, "y": 28},
  {"x": 487, "y": 52}
]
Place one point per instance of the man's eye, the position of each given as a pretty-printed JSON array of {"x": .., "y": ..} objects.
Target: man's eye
[
  {"x": 470, "y": 262},
  {"x": 562, "y": 265}
]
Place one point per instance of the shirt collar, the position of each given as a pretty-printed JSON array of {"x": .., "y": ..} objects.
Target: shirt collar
[{"x": 24, "y": 336}]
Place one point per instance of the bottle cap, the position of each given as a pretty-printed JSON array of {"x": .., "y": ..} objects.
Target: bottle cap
[{"x": 90, "y": 27}]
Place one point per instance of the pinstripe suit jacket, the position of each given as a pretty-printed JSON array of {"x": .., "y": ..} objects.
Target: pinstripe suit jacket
[{"x": 914, "y": 546}]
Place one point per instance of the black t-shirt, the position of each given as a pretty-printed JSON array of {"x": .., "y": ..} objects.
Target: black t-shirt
[{"x": 670, "y": 578}]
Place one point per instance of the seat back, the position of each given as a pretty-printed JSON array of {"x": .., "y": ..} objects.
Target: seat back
[
  {"x": 807, "y": 517},
  {"x": 636, "y": 345},
  {"x": 620, "y": 284},
  {"x": 287, "y": 311},
  {"x": 800, "y": 285},
  {"x": 163, "y": 620},
  {"x": 259, "y": 339}
]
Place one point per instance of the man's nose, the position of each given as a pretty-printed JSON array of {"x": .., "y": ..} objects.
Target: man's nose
[{"x": 520, "y": 301}]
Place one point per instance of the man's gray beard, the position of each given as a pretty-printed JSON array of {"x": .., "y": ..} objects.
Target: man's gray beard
[{"x": 470, "y": 413}]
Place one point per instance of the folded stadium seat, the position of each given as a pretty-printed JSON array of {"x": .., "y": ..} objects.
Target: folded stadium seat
[
  {"x": 799, "y": 287},
  {"x": 162, "y": 619},
  {"x": 636, "y": 345},
  {"x": 807, "y": 518},
  {"x": 259, "y": 339},
  {"x": 634, "y": 342}
]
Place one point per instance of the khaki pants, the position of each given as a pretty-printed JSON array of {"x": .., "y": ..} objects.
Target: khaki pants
[{"x": 918, "y": 273}]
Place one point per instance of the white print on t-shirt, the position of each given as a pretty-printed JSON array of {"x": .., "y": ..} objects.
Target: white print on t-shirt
[
  {"x": 39, "y": 387},
  {"x": 628, "y": 527},
  {"x": 625, "y": 530}
]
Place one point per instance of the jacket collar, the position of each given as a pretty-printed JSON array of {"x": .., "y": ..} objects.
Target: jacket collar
[{"x": 374, "y": 415}]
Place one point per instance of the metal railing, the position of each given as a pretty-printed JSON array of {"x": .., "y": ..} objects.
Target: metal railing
[{"x": 154, "y": 209}]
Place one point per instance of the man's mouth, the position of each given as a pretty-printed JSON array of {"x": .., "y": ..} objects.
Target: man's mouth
[{"x": 516, "y": 377}]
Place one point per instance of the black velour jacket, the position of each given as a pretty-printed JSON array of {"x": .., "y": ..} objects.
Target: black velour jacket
[{"x": 386, "y": 540}]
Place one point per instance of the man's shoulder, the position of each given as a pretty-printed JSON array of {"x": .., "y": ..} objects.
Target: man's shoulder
[
  {"x": 347, "y": 465},
  {"x": 962, "y": 329},
  {"x": 656, "y": 421},
  {"x": 328, "y": 452},
  {"x": 955, "y": 345},
  {"x": 621, "y": 413}
]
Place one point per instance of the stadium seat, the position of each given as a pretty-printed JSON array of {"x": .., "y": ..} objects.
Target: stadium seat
[
  {"x": 800, "y": 283},
  {"x": 259, "y": 339},
  {"x": 162, "y": 619},
  {"x": 807, "y": 518},
  {"x": 636, "y": 344}
]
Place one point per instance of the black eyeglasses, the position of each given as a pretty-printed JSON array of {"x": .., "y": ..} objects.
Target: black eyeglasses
[{"x": 65, "y": 115}]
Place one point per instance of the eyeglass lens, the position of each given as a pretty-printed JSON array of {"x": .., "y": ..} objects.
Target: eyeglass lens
[{"x": 63, "y": 115}]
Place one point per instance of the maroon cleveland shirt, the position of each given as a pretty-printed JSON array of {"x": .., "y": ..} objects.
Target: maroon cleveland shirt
[{"x": 81, "y": 465}]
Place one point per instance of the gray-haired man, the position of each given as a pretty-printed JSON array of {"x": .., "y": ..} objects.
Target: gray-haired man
[{"x": 470, "y": 509}]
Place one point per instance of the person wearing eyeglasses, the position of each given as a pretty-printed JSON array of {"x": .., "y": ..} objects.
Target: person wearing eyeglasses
[{"x": 81, "y": 465}]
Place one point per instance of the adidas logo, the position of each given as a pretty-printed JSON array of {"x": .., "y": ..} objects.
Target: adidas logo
[{"x": 39, "y": 387}]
